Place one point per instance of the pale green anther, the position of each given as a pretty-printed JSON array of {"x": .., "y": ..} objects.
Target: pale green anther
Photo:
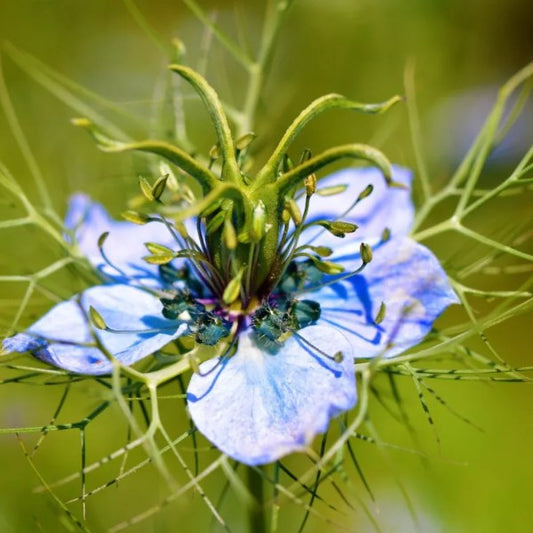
[
  {"x": 381, "y": 314},
  {"x": 366, "y": 192},
  {"x": 244, "y": 141},
  {"x": 182, "y": 230},
  {"x": 212, "y": 207},
  {"x": 310, "y": 185},
  {"x": 306, "y": 154},
  {"x": 244, "y": 237},
  {"x": 102, "y": 239},
  {"x": 96, "y": 318},
  {"x": 172, "y": 182},
  {"x": 179, "y": 48},
  {"x": 285, "y": 216},
  {"x": 328, "y": 267},
  {"x": 330, "y": 191},
  {"x": 322, "y": 251},
  {"x": 146, "y": 189},
  {"x": 229, "y": 235},
  {"x": 287, "y": 163},
  {"x": 366, "y": 253},
  {"x": 338, "y": 228},
  {"x": 294, "y": 211},
  {"x": 345, "y": 227},
  {"x": 214, "y": 153},
  {"x": 258, "y": 228},
  {"x": 156, "y": 248},
  {"x": 135, "y": 217},
  {"x": 159, "y": 258},
  {"x": 215, "y": 222},
  {"x": 338, "y": 357},
  {"x": 159, "y": 187},
  {"x": 385, "y": 235},
  {"x": 233, "y": 288}
]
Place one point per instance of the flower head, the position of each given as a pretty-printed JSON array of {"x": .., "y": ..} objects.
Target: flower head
[
  {"x": 253, "y": 274},
  {"x": 286, "y": 364}
]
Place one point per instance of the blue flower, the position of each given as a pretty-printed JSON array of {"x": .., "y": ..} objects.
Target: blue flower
[{"x": 286, "y": 361}]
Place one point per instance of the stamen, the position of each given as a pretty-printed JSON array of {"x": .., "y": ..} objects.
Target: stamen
[
  {"x": 366, "y": 258},
  {"x": 337, "y": 357}
]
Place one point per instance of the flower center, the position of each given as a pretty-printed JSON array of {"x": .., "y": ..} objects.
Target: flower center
[{"x": 273, "y": 319}]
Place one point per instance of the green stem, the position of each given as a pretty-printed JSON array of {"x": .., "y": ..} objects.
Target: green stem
[
  {"x": 259, "y": 67},
  {"x": 256, "y": 514}
]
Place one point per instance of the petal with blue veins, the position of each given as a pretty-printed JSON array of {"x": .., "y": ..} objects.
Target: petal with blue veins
[
  {"x": 61, "y": 336},
  {"x": 408, "y": 279},
  {"x": 124, "y": 245},
  {"x": 258, "y": 406},
  {"x": 385, "y": 207}
]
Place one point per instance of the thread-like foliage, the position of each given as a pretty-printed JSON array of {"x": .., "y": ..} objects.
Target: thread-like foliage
[{"x": 331, "y": 480}]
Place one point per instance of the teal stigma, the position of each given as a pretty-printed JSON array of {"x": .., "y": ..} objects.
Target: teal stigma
[{"x": 280, "y": 315}]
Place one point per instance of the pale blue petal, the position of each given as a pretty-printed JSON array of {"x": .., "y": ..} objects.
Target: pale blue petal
[
  {"x": 386, "y": 207},
  {"x": 404, "y": 275},
  {"x": 257, "y": 407},
  {"x": 124, "y": 246},
  {"x": 56, "y": 337}
]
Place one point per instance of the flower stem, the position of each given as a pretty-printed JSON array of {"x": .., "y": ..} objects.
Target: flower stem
[{"x": 256, "y": 512}]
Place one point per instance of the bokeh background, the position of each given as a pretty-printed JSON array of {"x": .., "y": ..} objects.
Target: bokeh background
[{"x": 461, "y": 52}]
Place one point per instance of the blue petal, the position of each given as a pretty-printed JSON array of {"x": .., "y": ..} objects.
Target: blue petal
[
  {"x": 257, "y": 407},
  {"x": 404, "y": 275},
  {"x": 56, "y": 338},
  {"x": 124, "y": 246},
  {"x": 386, "y": 207}
]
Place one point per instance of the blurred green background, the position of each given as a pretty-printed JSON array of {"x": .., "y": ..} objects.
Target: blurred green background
[{"x": 472, "y": 481}]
